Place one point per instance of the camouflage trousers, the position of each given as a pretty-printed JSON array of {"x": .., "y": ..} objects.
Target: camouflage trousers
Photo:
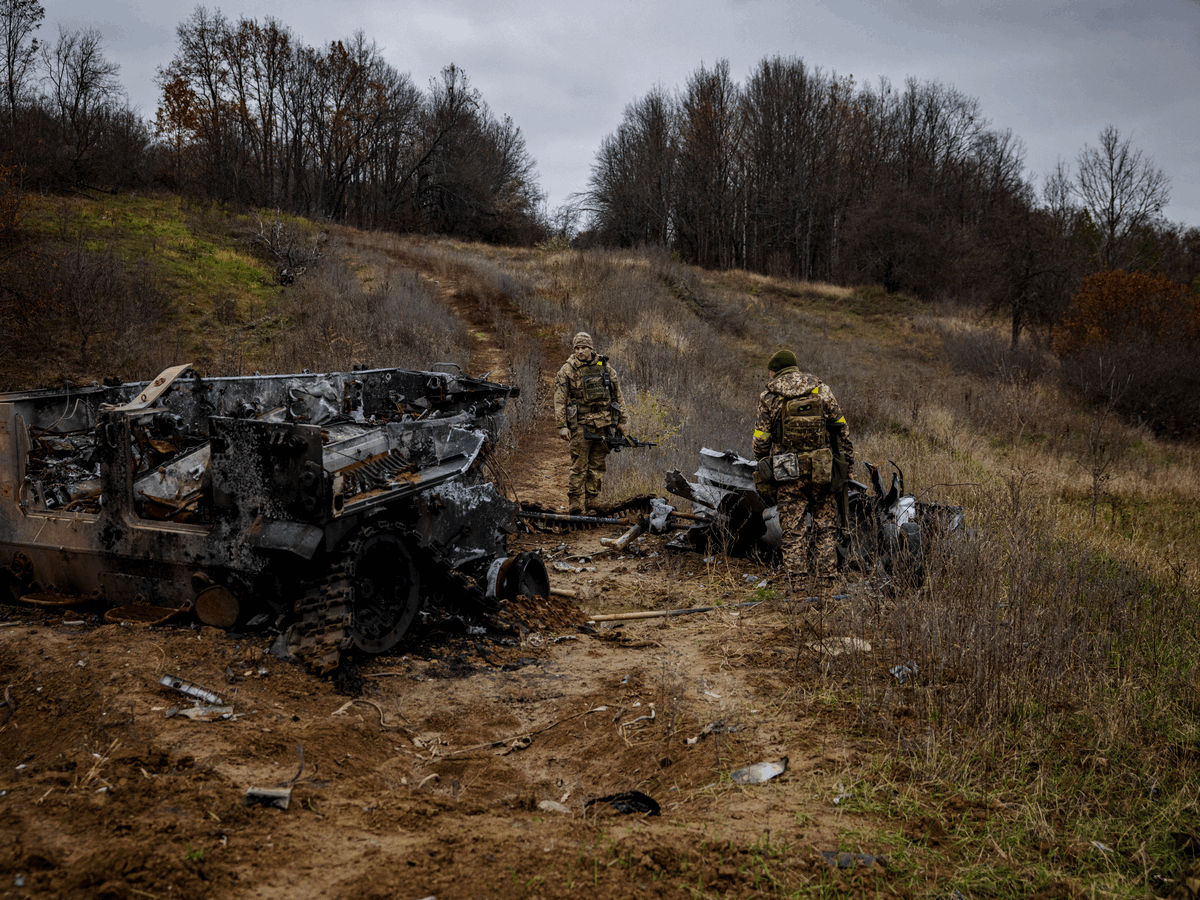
[
  {"x": 589, "y": 462},
  {"x": 809, "y": 547}
]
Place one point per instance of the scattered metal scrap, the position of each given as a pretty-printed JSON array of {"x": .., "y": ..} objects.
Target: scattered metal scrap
[
  {"x": 276, "y": 798},
  {"x": 331, "y": 506},
  {"x": 759, "y": 773},
  {"x": 189, "y": 689},
  {"x": 717, "y": 727},
  {"x": 904, "y": 671},
  {"x": 279, "y": 797}
]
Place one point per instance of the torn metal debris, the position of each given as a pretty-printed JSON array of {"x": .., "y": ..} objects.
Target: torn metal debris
[
  {"x": 331, "y": 506},
  {"x": 889, "y": 532},
  {"x": 729, "y": 514},
  {"x": 759, "y": 773},
  {"x": 276, "y": 798},
  {"x": 189, "y": 689},
  {"x": 628, "y": 803}
]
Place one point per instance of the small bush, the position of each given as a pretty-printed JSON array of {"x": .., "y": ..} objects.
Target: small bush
[{"x": 1159, "y": 382}]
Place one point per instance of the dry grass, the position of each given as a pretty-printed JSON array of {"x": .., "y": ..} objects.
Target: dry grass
[{"x": 361, "y": 307}]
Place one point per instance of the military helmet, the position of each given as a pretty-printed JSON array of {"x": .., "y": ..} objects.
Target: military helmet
[
  {"x": 782, "y": 359},
  {"x": 583, "y": 339}
]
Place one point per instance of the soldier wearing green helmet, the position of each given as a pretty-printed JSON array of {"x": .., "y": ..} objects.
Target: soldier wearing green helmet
[{"x": 805, "y": 454}]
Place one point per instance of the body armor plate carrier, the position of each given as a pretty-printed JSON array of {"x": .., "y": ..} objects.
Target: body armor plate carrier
[
  {"x": 594, "y": 385},
  {"x": 805, "y": 441}
]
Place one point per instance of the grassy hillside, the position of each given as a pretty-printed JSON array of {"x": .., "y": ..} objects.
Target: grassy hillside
[{"x": 1054, "y": 720}]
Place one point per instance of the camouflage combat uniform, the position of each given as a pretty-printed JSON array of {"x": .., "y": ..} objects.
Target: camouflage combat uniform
[
  {"x": 584, "y": 398},
  {"x": 809, "y": 548}
]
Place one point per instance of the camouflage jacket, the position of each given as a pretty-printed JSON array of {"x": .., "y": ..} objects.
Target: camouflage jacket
[
  {"x": 570, "y": 406},
  {"x": 786, "y": 384}
]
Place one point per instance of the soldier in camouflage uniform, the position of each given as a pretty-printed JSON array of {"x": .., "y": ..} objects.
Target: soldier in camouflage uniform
[
  {"x": 798, "y": 413},
  {"x": 587, "y": 395}
]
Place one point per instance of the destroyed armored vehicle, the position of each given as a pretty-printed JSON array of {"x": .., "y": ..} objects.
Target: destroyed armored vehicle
[{"x": 331, "y": 507}]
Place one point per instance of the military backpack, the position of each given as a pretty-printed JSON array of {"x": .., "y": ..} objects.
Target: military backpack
[{"x": 803, "y": 434}]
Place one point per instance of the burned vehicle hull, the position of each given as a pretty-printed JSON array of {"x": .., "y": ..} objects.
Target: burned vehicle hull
[{"x": 331, "y": 505}]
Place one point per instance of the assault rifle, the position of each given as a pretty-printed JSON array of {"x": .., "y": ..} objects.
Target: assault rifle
[{"x": 615, "y": 439}]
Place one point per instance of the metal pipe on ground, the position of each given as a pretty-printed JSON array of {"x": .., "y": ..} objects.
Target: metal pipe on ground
[
  {"x": 623, "y": 541},
  {"x": 666, "y": 613},
  {"x": 565, "y": 519}
]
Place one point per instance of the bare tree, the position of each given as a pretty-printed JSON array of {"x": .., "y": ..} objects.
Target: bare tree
[
  {"x": 781, "y": 106},
  {"x": 631, "y": 190},
  {"x": 1123, "y": 193},
  {"x": 83, "y": 93},
  {"x": 19, "y": 19},
  {"x": 710, "y": 135},
  {"x": 196, "y": 103},
  {"x": 260, "y": 59}
]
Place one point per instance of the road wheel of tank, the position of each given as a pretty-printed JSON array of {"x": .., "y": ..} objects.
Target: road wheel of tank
[{"x": 384, "y": 586}]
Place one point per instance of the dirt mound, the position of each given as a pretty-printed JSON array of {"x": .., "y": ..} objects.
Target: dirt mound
[{"x": 543, "y": 615}]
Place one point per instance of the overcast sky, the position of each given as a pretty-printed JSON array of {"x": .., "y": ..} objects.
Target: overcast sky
[{"x": 1054, "y": 73}]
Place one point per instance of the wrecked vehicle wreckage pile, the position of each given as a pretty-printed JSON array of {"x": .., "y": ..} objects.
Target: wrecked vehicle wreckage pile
[
  {"x": 888, "y": 532},
  {"x": 330, "y": 506}
]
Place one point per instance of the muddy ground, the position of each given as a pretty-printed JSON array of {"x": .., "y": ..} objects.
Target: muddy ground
[{"x": 469, "y": 763}]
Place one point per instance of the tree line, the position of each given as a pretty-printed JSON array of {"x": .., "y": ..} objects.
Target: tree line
[
  {"x": 801, "y": 173},
  {"x": 250, "y": 115}
]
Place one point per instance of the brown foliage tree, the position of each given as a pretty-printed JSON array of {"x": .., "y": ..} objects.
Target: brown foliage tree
[
  {"x": 1116, "y": 306},
  {"x": 1132, "y": 339}
]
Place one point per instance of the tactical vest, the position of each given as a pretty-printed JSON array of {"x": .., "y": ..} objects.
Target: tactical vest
[
  {"x": 804, "y": 439},
  {"x": 802, "y": 423},
  {"x": 594, "y": 387}
]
